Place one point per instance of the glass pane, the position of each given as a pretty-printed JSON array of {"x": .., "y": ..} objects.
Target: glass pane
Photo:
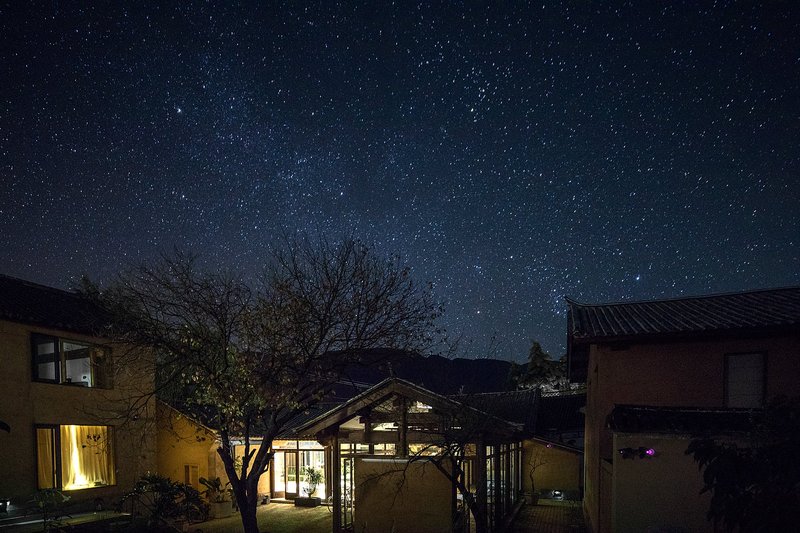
[
  {"x": 315, "y": 460},
  {"x": 86, "y": 457},
  {"x": 45, "y": 460},
  {"x": 280, "y": 472},
  {"x": 45, "y": 358},
  {"x": 291, "y": 472},
  {"x": 78, "y": 363}
]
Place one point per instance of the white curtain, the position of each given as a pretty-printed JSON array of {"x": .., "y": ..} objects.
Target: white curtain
[
  {"x": 87, "y": 458},
  {"x": 44, "y": 458}
]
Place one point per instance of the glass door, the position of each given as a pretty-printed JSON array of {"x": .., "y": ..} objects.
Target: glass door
[
  {"x": 291, "y": 474},
  {"x": 278, "y": 475}
]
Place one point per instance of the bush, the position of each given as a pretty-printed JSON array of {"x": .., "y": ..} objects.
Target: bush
[{"x": 159, "y": 502}]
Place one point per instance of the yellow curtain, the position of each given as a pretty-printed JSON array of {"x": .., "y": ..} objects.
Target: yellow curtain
[
  {"x": 87, "y": 458},
  {"x": 44, "y": 458}
]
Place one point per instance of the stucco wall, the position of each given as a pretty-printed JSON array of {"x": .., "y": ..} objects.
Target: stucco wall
[
  {"x": 181, "y": 441},
  {"x": 681, "y": 374},
  {"x": 557, "y": 469},
  {"x": 659, "y": 493},
  {"x": 26, "y": 403},
  {"x": 394, "y": 495}
]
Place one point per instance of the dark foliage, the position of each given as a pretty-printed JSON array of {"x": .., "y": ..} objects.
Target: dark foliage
[
  {"x": 160, "y": 502},
  {"x": 755, "y": 481}
]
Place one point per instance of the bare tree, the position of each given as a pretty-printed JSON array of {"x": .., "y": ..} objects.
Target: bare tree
[{"x": 250, "y": 358}]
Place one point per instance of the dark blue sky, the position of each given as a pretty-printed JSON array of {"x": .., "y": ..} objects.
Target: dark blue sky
[{"x": 510, "y": 152}]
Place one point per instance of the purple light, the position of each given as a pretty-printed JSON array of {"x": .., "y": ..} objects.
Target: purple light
[{"x": 650, "y": 451}]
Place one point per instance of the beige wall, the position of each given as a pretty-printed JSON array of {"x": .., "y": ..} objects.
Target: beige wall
[
  {"x": 263, "y": 482},
  {"x": 394, "y": 495},
  {"x": 681, "y": 374},
  {"x": 659, "y": 493},
  {"x": 557, "y": 469},
  {"x": 24, "y": 403},
  {"x": 181, "y": 442}
]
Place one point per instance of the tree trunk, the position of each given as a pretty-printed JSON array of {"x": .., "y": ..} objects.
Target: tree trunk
[{"x": 247, "y": 508}]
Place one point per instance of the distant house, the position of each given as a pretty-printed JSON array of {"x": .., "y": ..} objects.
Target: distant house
[
  {"x": 715, "y": 354},
  {"x": 63, "y": 395},
  {"x": 374, "y": 426}
]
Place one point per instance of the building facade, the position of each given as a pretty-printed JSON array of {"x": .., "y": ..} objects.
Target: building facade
[
  {"x": 730, "y": 351},
  {"x": 80, "y": 414}
]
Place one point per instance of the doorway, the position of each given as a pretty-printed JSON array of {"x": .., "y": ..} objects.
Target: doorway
[{"x": 284, "y": 474}]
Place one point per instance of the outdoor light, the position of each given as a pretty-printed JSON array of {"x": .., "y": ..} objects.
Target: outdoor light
[
  {"x": 4, "y": 504},
  {"x": 641, "y": 452},
  {"x": 558, "y": 495}
]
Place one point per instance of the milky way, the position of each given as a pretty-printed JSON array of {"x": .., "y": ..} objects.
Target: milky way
[{"x": 511, "y": 153}]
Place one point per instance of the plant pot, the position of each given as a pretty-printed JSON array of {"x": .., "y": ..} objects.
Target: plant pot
[
  {"x": 220, "y": 509},
  {"x": 307, "y": 502}
]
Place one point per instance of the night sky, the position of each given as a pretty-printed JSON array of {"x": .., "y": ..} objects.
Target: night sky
[{"x": 511, "y": 152}]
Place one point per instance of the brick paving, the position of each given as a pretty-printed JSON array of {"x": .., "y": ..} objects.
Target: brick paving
[{"x": 550, "y": 517}]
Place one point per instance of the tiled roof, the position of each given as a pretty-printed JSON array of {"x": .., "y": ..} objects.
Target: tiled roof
[
  {"x": 519, "y": 407},
  {"x": 680, "y": 420},
  {"x": 31, "y": 303},
  {"x": 773, "y": 309},
  {"x": 560, "y": 413}
]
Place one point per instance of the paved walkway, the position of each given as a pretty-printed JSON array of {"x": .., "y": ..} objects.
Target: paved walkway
[{"x": 550, "y": 517}]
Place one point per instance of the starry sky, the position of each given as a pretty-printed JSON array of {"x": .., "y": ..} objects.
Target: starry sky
[{"x": 510, "y": 152}]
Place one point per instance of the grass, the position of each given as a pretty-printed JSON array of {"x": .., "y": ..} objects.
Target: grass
[{"x": 275, "y": 518}]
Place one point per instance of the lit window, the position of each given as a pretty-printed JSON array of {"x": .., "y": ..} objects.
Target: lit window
[
  {"x": 744, "y": 380},
  {"x": 70, "y": 362},
  {"x": 74, "y": 457}
]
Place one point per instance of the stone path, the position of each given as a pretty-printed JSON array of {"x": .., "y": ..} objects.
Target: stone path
[{"x": 550, "y": 517}]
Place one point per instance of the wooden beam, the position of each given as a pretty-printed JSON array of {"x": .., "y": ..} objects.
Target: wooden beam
[
  {"x": 402, "y": 444},
  {"x": 480, "y": 482},
  {"x": 336, "y": 471}
]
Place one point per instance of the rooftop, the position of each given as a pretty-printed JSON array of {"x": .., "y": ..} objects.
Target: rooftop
[
  {"x": 769, "y": 309},
  {"x": 30, "y": 303}
]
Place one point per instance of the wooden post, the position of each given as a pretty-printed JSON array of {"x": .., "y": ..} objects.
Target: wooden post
[
  {"x": 403, "y": 429},
  {"x": 499, "y": 503},
  {"x": 480, "y": 483},
  {"x": 336, "y": 472},
  {"x": 368, "y": 433}
]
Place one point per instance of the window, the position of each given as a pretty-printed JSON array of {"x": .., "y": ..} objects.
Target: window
[
  {"x": 70, "y": 362},
  {"x": 74, "y": 457},
  {"x": 191, "y": 475},
  {"x": 744, "y": 380}
]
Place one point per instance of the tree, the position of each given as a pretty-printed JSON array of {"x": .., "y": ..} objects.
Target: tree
[
  {"x": 541, "y": 371},
  {"x": 250, "y": 358},
  {"x": 755, "y": 480}
]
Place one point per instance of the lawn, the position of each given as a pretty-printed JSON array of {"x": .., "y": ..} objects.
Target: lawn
[{"x": 275, "y": 518}]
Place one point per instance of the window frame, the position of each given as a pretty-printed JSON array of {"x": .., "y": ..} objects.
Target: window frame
[
  {"x": 726, "y": 387},
  {"x": 59, "y": 361},
  {"x": 58, "y": 481}
]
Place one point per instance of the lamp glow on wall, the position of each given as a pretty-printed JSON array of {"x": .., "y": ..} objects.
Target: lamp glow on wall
[{"x": 641, "y": 452}]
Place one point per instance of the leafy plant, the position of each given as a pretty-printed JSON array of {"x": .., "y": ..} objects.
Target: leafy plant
[
  {"x": 754, "y": 481},
  {"x": 313, "y": 477},
  {"x": 51, "y": 504},
  {"x": 162, "y": 501},
  {"x": 215, "y": 491}
]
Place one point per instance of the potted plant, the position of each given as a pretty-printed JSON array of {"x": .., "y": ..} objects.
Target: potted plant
[
  {"x": 217, "y": 495},
  {"x": 313, "y": 478}
]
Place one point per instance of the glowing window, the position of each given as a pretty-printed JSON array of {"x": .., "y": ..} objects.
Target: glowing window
[{"x": 84, "y": 454}]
